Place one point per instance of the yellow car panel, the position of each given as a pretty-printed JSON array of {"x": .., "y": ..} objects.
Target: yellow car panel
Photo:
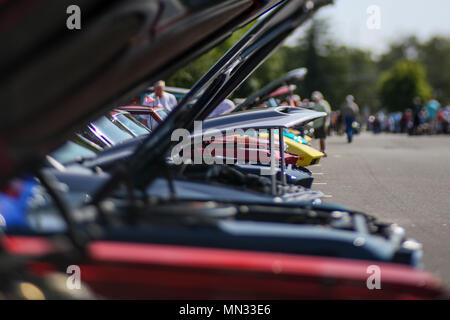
[
  {"x": 306, "y": 155},
  {"x": 297, "y": 133}
]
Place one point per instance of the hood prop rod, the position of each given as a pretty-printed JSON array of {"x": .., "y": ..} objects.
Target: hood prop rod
[
  {"x": 273, "y": 160},
  {"x": 283, "y": 163},
  {"x": 273, "y": 174}
]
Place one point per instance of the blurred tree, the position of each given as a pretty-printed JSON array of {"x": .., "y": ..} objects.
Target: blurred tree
[
  {"x": 435, "y": 55},
  {"x": 311, "y": 58},
  {"x": 310, "y": 52},
  {"x": 401, "y": 84},
  {"x": 405, "y": 49},
  {"x": 338, "y": 70},
  {"x": 364, "y": 75},
  {"x": 272, "y": 69},
  {"x": 334, "y": 70},
  {"x": 189, "y": 75}
]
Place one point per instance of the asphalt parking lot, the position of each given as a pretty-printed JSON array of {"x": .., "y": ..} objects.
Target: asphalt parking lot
[{"x": 397, "y": 178}]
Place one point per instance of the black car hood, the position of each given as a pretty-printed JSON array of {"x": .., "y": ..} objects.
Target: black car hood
[
  {"x": 275, "y": 117},
  {"x": 54, "y": 80},
  {"x": 220, "y": 81}
]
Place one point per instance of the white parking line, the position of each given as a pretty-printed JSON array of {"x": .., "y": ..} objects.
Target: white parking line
[
  {"x": 318, "y": 173},
  {"x": 328, "y": 196},
  {"x": 320, "y": 183}
]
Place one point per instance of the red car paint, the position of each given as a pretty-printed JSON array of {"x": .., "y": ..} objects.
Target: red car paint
[
  {"x": 246, "y": 148},
  {"x": 243, "y": 155},
  {"x": 246, "y": 141},
  {"x": 260, "y": 156},
  {"x": 121, "y": 270}
]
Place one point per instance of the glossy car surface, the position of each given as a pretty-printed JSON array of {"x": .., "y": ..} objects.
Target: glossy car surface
[{"x": 136, "y": 243}]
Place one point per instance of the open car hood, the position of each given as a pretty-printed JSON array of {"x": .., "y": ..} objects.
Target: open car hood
[
  {"x": 265, "y": 92},
  {"x": 54, "y": 80},
  {"x": 276, "y": 117},
  {"x": 219, "y": 82}
]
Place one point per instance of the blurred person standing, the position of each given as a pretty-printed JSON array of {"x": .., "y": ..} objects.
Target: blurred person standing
[
  {"x": 297, "y": 100},
  {"x": 445, "y": 114},
  {"x": 416, "y": 111},
  {"x": 405, "y": 121},
  {"x": 432, "y": 108},
  {"x": 350, "y": 112},
  {"x": 376, "y": 125},
  {"x": 382, "y": 119},
  {"x": 443, "y": 120},
  {"x": 306, "y": 103},
  {"x": 320, "y": 125},
  {"x": 160, "y": 97},
  {"x": 390, "y": 123},
  {"x": 340, "y": 123},
  {"x": 333, "y": 123},
  {"x": 397, "y": 116}
]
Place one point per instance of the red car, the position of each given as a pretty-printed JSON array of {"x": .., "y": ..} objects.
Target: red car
[
  {"x": 126, "y": 270},
  {"x": 248, "y": 148}
]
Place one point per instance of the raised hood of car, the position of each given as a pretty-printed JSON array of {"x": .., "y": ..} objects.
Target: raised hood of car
[
  {"x": 54, "y": 80},
  {"x": 221, "y": 80},
  {"x": 285, "y": 117}
]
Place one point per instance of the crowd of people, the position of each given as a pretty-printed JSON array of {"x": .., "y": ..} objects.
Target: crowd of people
[
  {"x": 346, "y": 119},
  {"x": 430, "y": 118},
  {"x": 167, "y": 101}
]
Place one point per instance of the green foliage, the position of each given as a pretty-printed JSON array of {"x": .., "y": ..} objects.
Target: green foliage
[
  {"x": 337, "y": 70},
  {"x": 189, "y": 75},
  {"x": 334, "y": 70},
  {"x": 329, "y": 67},
  {"x": 434, "y": 55},
  {"x": 272, "y": 69},
  {"x": 401, "y": 84}
]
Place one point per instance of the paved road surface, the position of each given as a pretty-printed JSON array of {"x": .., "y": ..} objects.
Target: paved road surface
[{"x": 397, "y": 178}]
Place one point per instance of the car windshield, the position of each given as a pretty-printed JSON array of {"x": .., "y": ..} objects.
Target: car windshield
[
  {"x": 132, "y": 124},
  {"x": 114, "y": 133},
  {"x": 72, "y": 151},
  {"x": 161, "y": 113}
]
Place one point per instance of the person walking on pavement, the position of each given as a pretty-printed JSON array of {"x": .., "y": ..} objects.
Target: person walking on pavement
[
  {"x": 432, "y": 108},
  {"x": 417, "y": 121},
  {"x": 350, "y": 112},
  {"x": 320, "y": 125}
]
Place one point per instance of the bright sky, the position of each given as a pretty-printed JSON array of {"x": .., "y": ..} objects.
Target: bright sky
[{"x": 348, "y": 21}]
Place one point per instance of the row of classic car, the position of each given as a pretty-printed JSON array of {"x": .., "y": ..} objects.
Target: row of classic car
[{"x": 135, "y": 223}]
